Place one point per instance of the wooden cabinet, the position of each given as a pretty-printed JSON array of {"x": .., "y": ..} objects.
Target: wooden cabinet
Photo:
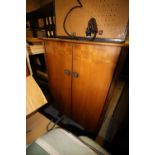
[{"x": 81, "y": 93}]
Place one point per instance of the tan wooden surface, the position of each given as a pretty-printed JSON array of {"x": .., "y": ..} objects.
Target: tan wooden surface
[
  {"x": 36, "y": 49},
  {"x": 28, "y": 65},
  {"x": 34, "y": 40},
  {"x": 58, "y": 58},
  {"x": 34, "y": 96},
  {"x": 111, "y": 16},
  {"x": 37, "y": 46},
  {"x": 36, "y": 126},
  {"x": 95, "y": 65}
]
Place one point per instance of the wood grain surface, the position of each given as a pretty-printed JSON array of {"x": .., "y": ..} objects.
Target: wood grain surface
[
  {"x": 95, "y": 66},
  {"x": 82, "y": 97},
  {"x": 58, "y": 59}
]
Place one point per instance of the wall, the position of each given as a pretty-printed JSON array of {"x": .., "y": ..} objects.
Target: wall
[
  {"x": 32, "y": 5},
  {"x": 111, "y": 17}
]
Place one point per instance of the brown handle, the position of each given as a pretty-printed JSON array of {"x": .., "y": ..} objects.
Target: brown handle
[
  {"x": 67, "y": 72},
  {"x": 75, "y": 75}
]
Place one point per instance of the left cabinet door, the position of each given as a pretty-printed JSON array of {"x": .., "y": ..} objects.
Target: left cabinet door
[{"x": 58, "y": 57}]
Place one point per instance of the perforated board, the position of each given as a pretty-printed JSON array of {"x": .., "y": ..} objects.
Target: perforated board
[{"x": 111, "y": 16}]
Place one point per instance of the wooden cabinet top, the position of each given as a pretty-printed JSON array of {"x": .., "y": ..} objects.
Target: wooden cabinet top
[{"x": 126, "y": 43}]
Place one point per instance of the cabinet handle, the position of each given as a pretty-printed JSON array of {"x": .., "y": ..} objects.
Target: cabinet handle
[
  {"x": 67, "y": 72},
  {"x": 75, "y": 75}
]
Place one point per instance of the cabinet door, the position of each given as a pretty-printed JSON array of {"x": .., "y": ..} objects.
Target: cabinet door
[
  {"x": 95, "y": 66},
  {"x": 58, "y": 59}
]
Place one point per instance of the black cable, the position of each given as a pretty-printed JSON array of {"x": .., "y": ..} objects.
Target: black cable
[
  {"x": 55, "y": 123},
  {"x": 64, "y": 23}
]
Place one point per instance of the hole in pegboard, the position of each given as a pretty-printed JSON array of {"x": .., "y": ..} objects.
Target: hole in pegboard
[{"x": 108, "y": 14}]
